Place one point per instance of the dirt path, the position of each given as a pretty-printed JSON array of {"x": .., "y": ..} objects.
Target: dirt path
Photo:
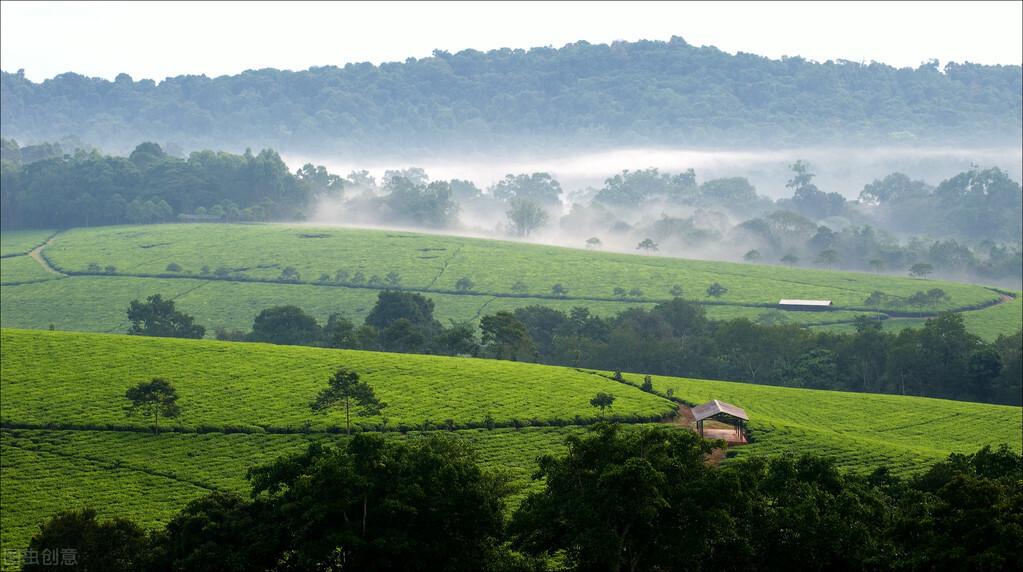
[{"x": 37, "y": 254}]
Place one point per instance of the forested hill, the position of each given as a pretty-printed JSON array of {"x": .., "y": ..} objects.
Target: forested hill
[{"x": 642, "y": 93}]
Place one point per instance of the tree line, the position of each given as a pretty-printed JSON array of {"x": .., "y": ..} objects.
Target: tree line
[
  {"x": 967, "y": 226},
  {"x": 625, "y": 93},
  {"x": 88, "y": 188},
  {"x": 620, "y": 498},
  {"x": 941, "y": 359}
]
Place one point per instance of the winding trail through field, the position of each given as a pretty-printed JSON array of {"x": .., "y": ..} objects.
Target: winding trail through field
[{"x": 37, "y": 254}]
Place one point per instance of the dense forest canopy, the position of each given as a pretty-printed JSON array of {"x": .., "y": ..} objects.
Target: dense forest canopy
[{"x": 626, "y": 93}]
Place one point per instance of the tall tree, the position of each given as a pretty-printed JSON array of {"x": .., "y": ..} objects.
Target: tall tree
[
  {"x": 526, "y": 216},
  {"x": 156, "y": 398},
  {"x": 345, "y": 388}
]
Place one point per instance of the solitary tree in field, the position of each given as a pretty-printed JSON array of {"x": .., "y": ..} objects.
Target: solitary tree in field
[
  {"x": 153, "y": 399},
  {"x": 393, "y": 279},
  {"x": 790, "y": 259},
  {"x": 876, "y": 264},
  {"x": 603, "y": 401},
  {"x": 647, "y": 245},
  {"x": 344, "y": 387},
  {"x": 752, "y": 256},
  {"x": 716, "y": 290},
  {"x": 920, "y": 270},
  {"x": 464, "y": 284},
  {"x": 593, "y": 243},
  {"x": 827, "y": 256},
  {"x": 676, "y": 291},
  {"x": 559, "y": 290}
]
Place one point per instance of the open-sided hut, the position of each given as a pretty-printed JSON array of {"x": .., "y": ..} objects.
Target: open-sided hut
[
  {"x": 805, "y": 305},
  {"x": 723, "y": 412}
]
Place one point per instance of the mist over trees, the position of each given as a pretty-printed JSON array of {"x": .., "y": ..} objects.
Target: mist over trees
[
  {"x": 967, "y": 226},
  {"x": 677, "y": 94}
]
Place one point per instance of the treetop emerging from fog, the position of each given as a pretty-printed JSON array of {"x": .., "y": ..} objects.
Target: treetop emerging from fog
[{"x": 640, "y": 93}]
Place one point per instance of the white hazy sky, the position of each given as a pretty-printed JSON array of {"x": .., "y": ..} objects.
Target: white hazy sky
[{"x": 156, "y": 40}]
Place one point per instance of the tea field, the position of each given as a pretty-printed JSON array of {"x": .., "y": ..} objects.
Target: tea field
[
  {"x": 15, "y": 242},
  {"x": 23, "y": 268},
  {"x": 333, "y": 269},
  {"x": 429, "y": 262},
  {"x": 98, "y": 303},
  {"x": 66, "y": 441},
  {"x": 858, "y": 430},
  {"x": 79, "y": 380}
]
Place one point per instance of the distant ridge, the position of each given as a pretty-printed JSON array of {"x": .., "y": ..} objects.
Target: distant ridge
[{"x": 582, "y": 95}]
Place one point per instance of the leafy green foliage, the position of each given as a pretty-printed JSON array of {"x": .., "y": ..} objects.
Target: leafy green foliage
[
  {"x": 117, "y": 545},
  {"x": 155, "y": 398},
  {"x": 344, "y": 388},
  {"x": 505, "y": 337},
  {"x": 287, "y": 325},
  {"x": 157, "y": 317},
  {"x": 149, "y": 186},
  {"x": 49, "y": 471},
  {"x": 413, "y": 505},
  {"x": 680, "y": 94},
  {"x": 603, "y": 401}
]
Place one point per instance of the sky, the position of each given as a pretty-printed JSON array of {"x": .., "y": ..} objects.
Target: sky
[{"x": 157, "y": 40}]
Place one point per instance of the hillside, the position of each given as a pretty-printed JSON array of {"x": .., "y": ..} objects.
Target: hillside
[
  {"x": 224, "y": 274},
  {"x": 66, "y": 441},
  {"x": 640, "y": 93}
]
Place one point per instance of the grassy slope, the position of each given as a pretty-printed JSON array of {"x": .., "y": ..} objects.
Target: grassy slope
[
  {"x": 65, "y": 378},
  {"x": 860, "y": 431},
  {"x": 423, "y": 261},
  {"x": 23, "y": 268},
  {"x": 432, "y": 261},
  {"x": 233, "y": 305},
  {"x": 21, "y": 241},
  {"x": 80, "y": 379},
  {"x": 989, "y": 323}
]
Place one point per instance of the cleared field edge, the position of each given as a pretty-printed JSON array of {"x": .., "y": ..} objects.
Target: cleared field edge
[
  {"x": 39, "y": 238},
  {"x": 395, "y": 376},
  {"x": 660, "y": 262}
]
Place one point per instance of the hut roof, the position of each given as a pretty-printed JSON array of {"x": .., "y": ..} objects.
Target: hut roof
[
  {"x": 804, "y": 302},
  {"x": 714, "y": 407}
]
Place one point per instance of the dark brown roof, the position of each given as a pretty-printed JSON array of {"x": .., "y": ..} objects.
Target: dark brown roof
[{"x": 714, "y": 407}]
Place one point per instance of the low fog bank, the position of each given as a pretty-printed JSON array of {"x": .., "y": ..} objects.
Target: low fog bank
[
  {"x": 842, "y": 170},
  {"x": 709, "y": 205}
]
